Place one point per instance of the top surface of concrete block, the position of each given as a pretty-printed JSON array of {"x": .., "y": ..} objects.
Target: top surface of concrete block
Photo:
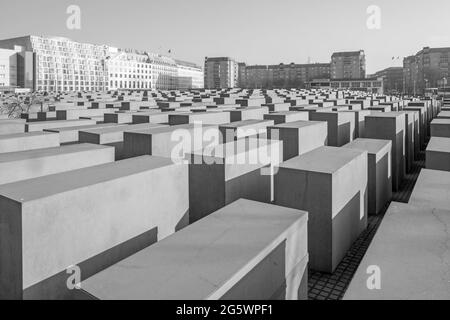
[
  {"x": 247, "y": 123},
  {"x": 29, "y": 190},
  {"x": 42, "y": 153},
  {"x": 202, "y": 261},
  {"x": 442, "y": 121},
  {"x": 438, "y": 144},
  {"x": 299, "y": 124},
  {"x": 323, "y": 159},
  {"x": 432, "y": 190},
  {"x": 372, "y": 146},
  {"x": 411, "y": 249}
]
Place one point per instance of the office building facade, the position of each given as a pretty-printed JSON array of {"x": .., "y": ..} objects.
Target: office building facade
[
  {"x": 392, "y": 79},
  {"x": 189, "y": 75}
]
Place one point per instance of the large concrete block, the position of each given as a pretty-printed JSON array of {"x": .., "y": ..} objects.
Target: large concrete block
[
  {"x": 443, "y": 115},
  {"x": 170, "y": 142},
  {"x": 253, "y": 102},
  {"x": 216, "y": 259},
  {"x": 410, "y": 249},
  {"x": 438, "y": 154},
  {"x": 278, "y": 107},
  {"x": 16, "y": 166},
  {"x": 75, "y": 114},
  {"x": 70, "y": 134},
  {"x": 341, "y": 126},
  {"x": 12, "y": 126},
  {"x": 244, "y": 129},
  {"x": 28, "y": 141},
  {"x": 240, "y": 169},
  {"x": 440, "y": 128},
  {"x": 112, "y": 136},
  {"x": 151, "y": 117},
  {"x": 410, "y": 122},
  {"x": 92, "y": 218},
  {"x": 299, "y": 137},
  {"x": 360, "y": 121},
  {"x": 286, "y": 117},
  {"x": 380, "y": 171},
  {"x": 390, "y": 126},
  {"x": 43, "y": 125},
  {"x": 431, "y": 190},
  {"x": 422, "y": 122},
  {"x": 119, "y": 117},
  {"x": 251, "y": 113},
  {"x": 331, "y": 184},
  {"x": 213, "y": 118}
]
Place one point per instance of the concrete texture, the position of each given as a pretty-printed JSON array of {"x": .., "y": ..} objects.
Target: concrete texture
[
  {"x": 112, "y": 136},
  {"x": 250, "y": 113},
  {"x": 42, "y": 125},
  {"x": 341, "y": 126},
  {"x": 11, "y": 127},
  {"x": 380, "y": 171},
  {"x": 444, "y": 115},
  {"x": 170, "y": 142},
  {"x": 81, "y": 113},
  {"x": 70, "y": 134},
  {"x": 208, "y": 261},
  {"x": 119, "y": 117},
  {"x": 410, "y": 123},
  {"x": 299, "y": 137},
  {"x": 390, "y": 126},
  {"x": 432, "y": 190},
  {"x": 16, "y": 166},
  {"x": 438, "y": 154},
  {"x": 411, "y": 251},
  {"x": 151, "y": 117},
  {"x": 440, "y": 128},
  {"x": 278, "y": 107},
  {"x": 28, "y": 141},
  {"x": 241, "y": 169},
  {"x": 423, "y": 124},
  {"x": 92, "y": 217},
  {"x": 331, "y": 184},
  {"x": 244, "y": 129},
  {"x": 286, "y": 117},
  {"x": 360, "y": 121},
  {"x": 213, "y": 118}
]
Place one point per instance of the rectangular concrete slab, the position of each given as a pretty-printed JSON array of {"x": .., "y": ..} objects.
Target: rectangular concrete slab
[
  {"x": 299, "y": 137},
  {"x": 341, "y": 126},
  {"x": 331, "y": 184},
  {"x": 409, "y": 253},
  {"x": 287, "y": 116},
  {"x": 440, "y": 128},
  {"x": 16, "y": 166},
  {"x": 213, "y": 118},
  {"x": 28, "y": 141},
  {"x": 390, "y": 126},
  {"x": 438, "y": 154},
  {"x": 380, "y": 171},
  {"x": 250, "y": 113},
  {"x": 71, "y": 134},
  {"x": 239, "y": 169},
  {"x": 432, "y": 189},
  {"x": 92, "y": 218},
  {"x": 244, "y": 129},
  {"x": 11, "y": 127},
  {"x": 215, "y": 259},
  {"x": 42, "y": 125}
]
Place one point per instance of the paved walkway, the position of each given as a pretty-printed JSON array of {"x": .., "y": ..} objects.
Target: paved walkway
[{"x": 333, "y": 286}]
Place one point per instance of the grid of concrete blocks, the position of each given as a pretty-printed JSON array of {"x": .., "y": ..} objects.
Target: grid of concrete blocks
[{"x": 220, "y": 194}]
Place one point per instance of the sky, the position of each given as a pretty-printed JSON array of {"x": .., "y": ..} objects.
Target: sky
[{"x": 251, "y": 31}]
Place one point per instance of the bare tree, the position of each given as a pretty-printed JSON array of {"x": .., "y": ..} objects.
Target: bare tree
[{"x": 15, "y": 105}]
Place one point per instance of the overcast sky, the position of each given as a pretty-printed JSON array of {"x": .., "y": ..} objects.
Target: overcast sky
[{"x": 253, "y": 31}]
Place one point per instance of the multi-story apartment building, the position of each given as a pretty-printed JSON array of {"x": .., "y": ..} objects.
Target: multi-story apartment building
[
  {"x": 189, "y": 75},
  {"x": 429, "y": 68},
  {"x": 221, "y": 72},
  {"x": 392, "y": 79},
  {"x": 348, "y": 65},
  {"x": 283, "y": 75},
  {"x": 60, "y": 64},
  {"x": 8, "y": 68}
]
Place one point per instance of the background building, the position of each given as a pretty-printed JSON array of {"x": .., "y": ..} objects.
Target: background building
[
  {"x": 370, "y": 85},
  {"x": 348, "y": 65},
  {"x": 221, "y": 72},
  {"x": 392, "y": 79},
  {"x": 189, "y": 75},
  {"x": 60, "y": 64},
  {"x": 429, "y": 68},
  {"x": 282, "y": 75},
  {"x": 8, "y": 69}
]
